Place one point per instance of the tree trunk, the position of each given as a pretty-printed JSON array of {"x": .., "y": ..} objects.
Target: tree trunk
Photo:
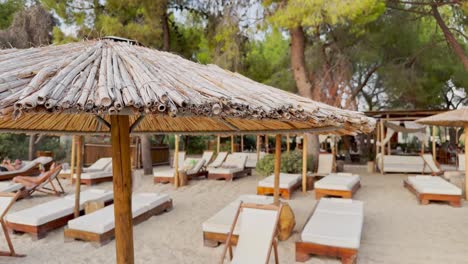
[
  {"x": 304, "y": 86},
  {"x": 313, "y": 148},
  {"x": 451, "y": 40},
  {"x": 32, "y": 146},
  {"x": 146, "y": 155},
  {"x": 166, "y": 31}
]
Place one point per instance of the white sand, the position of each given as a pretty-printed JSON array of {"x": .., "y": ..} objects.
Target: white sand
[{"x": 396, "y": 230}]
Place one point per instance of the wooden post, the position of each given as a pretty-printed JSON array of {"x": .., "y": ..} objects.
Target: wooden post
[
  {"x": 466, "y": 161},
  {"x": 267, "y": 149},
  {"x": 382, "y": 145},
  {"x": 218, "y": 143},
  {"x": 434, "y": 151},
  {"x": 122, "y": 179},
  {"x": 242, "y": 143},
  {"x": 258, "y": 147},
  {"x": 232, "y": 144},
  {"x": 72, "y": 159},
  {"x": 176, "y": 161},
  {"x": 277, "y": 168},
  {"x": 389, "y": 142},
  {"x": 287, "y": 144},
  {"x": 79, "y": 165},
  {"x": 304, "y": 164}
]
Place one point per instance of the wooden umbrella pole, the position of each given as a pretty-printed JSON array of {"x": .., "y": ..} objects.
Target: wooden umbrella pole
[
  {"x": 176, "y": 161},
  {"x": 122, "y": 180},
  {"x": 304, "y": 164},
  {"x": 287, "y": 143},
  {"x": 232, "y": 144},
  {"x": 242, "y": 143},
  {"x": 72, "y": 159},
  {"x": 466, "y": 162},
  {"x": 382, "y": 146},
  {"x": 434, "y": 152},
  {"x": 258, "y": 147},
  {"x": 277, "y": 168},
  {"x": 267, "y": 149},
  {"x": 79, "y": 165},
  {"x": 218, "y": 144}
]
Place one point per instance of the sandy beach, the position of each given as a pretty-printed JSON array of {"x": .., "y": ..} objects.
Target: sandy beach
[{"x": 396, "y": 229}]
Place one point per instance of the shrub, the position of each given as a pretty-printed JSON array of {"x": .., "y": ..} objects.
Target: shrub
[{"x": 290, "y": 163}]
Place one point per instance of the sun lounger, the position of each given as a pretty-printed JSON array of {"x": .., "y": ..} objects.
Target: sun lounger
[
  {"x": 91, "y": 178},
  {"x": 340, "y": 184},
  {"x": 257, "y": 234},
  {"x": 402, "y": 164},
  {"x": 167, "y": 175},
  {"x": 6, "y": 202},
  {"x": 216, "y": 228},
  {"x": 207, "y": 156},
  {"x": 10, "y": 187},
  {"x": 30, "y": 168},
  {"x": 433, "y": 188},
  {"x": 333, "y": 229},
  {"x": 218, "y": 160},
  {"x": 326, "y": 164},
  {"x": 233, "y": 167},
  {"x": 433, "y": 165},
  {"x": 98, "y": 226},
  {"x": 288, "y": 183},
  {"x": 42, "y": 218},
  {"x": 42, "y": 185},
  {"x": 100, "y": 165}
]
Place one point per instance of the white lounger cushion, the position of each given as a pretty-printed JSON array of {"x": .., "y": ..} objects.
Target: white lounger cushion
[
  {"x": 95, "y": 175},
  {"x": 335, "y": 223},
  {"x": 221, "y": 222},
  {"x": 100, "y": 165},
  {"x": 429, "y": 160},
  {"x": 434, "y": 185},
  {"x": 337, "y": 182},
  {"x": 287, "y": 180},
  {"x": 224, "y": 170},
  {"x": 103, "y": 220},
  {"x": 169, "y": 172},
  {"x": 325, "y": 164},
  {"x": 10, "y": 187},
  {"x": 49, "y": 211},
  {"x": 234, "y": 163},
  {"x": 218, "y": 160}
]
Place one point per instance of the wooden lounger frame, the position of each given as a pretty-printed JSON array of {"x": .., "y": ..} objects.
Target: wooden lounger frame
[
  {"x": 230, "y": 176},
  {"x": 284, "y": 193},
  {"x": 425, "y": 198},
  {"x": 40, "y": 231},
  {"x": 11, "y": 252},
  {"x": 189, "y": 177},
  {"x": 104, "y": 238},
  {"x": 305, "y": 249},
  {"x": 90, "y": 182},
  {"x": 319, "y": 193}
]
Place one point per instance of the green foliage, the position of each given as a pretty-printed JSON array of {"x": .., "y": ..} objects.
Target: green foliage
[
  {"x": 8, "y": 9},
  {"x": 290, "y": 163},
  {"x": 16, "y": 146}
]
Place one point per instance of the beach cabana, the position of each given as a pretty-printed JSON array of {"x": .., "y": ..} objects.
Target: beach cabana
[
  {"x": 115, "y": 86},
  {"x": 455, "y": 118}
]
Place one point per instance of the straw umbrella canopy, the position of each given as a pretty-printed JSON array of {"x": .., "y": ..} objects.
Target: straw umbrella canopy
[
  {"x": 113, "y": 86},
  {"x": 455, "y": 118}
]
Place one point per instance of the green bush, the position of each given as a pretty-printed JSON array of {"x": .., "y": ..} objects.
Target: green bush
[{"x": 290, "y": 163}]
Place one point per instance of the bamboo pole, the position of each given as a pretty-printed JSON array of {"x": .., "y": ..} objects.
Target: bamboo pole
[
  {"x": 466, "y": 161},
  {"x": 434, "y": 152},
  {"x": 79, "y": 165},
  {"x": 176, "y": 161},
  {"x": 267, "y": 149},
  {"x": 382, "y": 145},
  {"x": 258, "y": 147},
  {"x": 218, "y": 144},
  {"x": 72, "y": 159},
  {"x": 232, "y": 144},
  {"x": 242, "y": 142},
  {"x": 377, "y": 139},
  {"x": 122, "y": 180},
  {"x": 287, "y": 144},
  {"x": 277, "y": 168},
  {"x": 304, "y": 164},
  {"x": 390, "y": 141}
]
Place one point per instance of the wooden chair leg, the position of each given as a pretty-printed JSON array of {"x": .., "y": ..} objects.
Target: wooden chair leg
[
  {"x": 60, "y": 185},
  {"x": 12, "y": 252},
  {"x": 230, "y": 252},
  {"x": 275, "y": 251}
]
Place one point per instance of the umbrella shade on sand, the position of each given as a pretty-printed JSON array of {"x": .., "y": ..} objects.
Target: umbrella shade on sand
[
  {"x": 454, "y": 118},
  {"x": 117, "y": 87}
]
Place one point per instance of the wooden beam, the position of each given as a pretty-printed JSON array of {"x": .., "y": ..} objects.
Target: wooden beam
[
  {"x": 136, "y": 123},
  {"x": 267, "y": 148},
  {"x": 79, "y": 165},
  {"x": 176, "y": 161},
  {"x": 232, "y": 144},
  {"x": 122, "y": 178},
  {"x": 72, "y": 159},
  {"x": 304, "y": 164},
  {"x": 258, "y": 147},
  {"x": 288, "y": 147},
  {"x": 242, "y": 143},
  {"x": 277, "y": 168}
]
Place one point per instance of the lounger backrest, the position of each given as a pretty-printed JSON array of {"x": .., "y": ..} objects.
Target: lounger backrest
[
  {"x": 198, "y": 166},
  {"x": 42, "y": 160},
  {"x": 325, "y": 164},
  {"x": 257, "y": 229},
  {"x": 429, "y": 160},
  {"x": 237, "y": 161},
  {"x": 461, "y": 162},
  {"x": 100, "y": 164},
  {"x": 207, "y": 156},
  {"x": 219, "y": 159}
]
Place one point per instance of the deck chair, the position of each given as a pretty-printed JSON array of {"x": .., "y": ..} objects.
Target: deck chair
[
  {"x": 207, "y": 156},
  {"x": 326, "y": 164},
  {"x": 42, "y": 186},
  {"x": 218, "y": 160},
  {"x": 257, "y": 235},
  {"x": 6, "y": 202},
  {"x": 432, "y": 164}
]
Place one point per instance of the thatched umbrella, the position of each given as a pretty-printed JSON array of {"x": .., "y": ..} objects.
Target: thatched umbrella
[
  {"x": 116, "y": 87},
  {"x": 455, "y": 118}
]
